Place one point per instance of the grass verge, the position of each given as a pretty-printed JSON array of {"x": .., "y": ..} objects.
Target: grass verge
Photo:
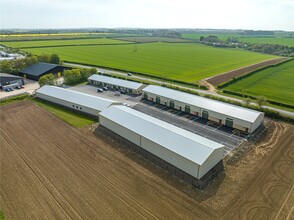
[
  {"x": 73, "y": 118},
  {"x": 1, "y": 215},
  {"x": 13, "y": 99}
]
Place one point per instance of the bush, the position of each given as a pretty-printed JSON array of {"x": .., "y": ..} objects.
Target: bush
[
  {"x": 72, "y": 77},
  {"x": 47, "y": 79}
]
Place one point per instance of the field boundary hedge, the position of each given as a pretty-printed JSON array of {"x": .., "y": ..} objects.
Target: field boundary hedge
[
  {"x": 254, "y": 97},
  {"x": 238, "y": 78}
]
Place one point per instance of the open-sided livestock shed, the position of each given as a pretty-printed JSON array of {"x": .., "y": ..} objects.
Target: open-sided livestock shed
[
  {"x": 114, "y": 83},
  {"x": 223, "y": 113},
  {"x": 191, "y": 153},
  {"x": 37, "y": 70},
  {"x": 78, "y": 101}
]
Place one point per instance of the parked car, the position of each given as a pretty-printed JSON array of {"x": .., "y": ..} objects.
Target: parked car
[
  {"x": 105, "y": 88},
  {"x": 7, "y": 90},
  {"x": 126, "y": 104},
  {"x": 22, "y": 87},
  {"x": 99, "y": 90},
  {"x": 122, "y": 91},
  {"x": 17, "y": 87},
  {"x": 129, "y": 74},
  {"x": 11, "y": 89}
]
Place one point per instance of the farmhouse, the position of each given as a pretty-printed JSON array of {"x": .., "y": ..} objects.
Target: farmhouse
[
  {"x": 88, "y": 104},
  {"x": 226, "y": 114},
  {"x": 179, "y": 149},
  {"x": 8, "y": 81},
  {"x": 37, "y": 70},
  {"x": 113, "y": 83}
]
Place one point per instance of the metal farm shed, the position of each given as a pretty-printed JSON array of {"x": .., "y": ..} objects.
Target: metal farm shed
[
  {"x": 223, "y": 113},
  {"x": 114, "y": 83},
  {"x": 40, "y": 69},
  {"x": 191, "y": 153},
  {"x": 78, "y": 101}
]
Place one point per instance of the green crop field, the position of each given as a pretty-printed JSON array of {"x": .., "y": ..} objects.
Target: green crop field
[
  {"x": 182, "y": 61},
  {"x": 269, "y": 40},
  {"x": 250, "y": 39},
  {"x": 46, "y": 43},
  {"x": 275, "y": 83}
]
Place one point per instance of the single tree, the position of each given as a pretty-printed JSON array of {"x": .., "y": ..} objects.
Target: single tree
[
  {"x": 93, "y": 71},
  {"x": 261, "y": 101},
  {"x": 55, "y": 59}
]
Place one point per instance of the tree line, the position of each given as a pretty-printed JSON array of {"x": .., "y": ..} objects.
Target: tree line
[
  {"x": 233, "y": 42},
  {"x": 14, "y": 66}
]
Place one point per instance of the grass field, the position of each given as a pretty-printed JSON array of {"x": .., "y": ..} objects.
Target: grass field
[
  {"x": 72, "y": 118},
  {"x": 259, "y": 40},
  {"x": 154, "y": 39},
  {"x": 46, "y": 43},
  {"x": 274, "y": 83},
  {"x": 182, "y": 61}
]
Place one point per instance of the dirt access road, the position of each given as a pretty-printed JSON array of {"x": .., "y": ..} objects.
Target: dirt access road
[
  {"x": 241, "y": 71},
  {"x": 50, "y": 170}
]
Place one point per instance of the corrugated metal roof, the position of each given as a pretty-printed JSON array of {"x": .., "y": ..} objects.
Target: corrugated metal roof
[
  {"x": 184, "y": 143},
  {"x": 205, "y": 103},
  {"x": 78, "y": 98},
  {"x": 115, "y": 81},
  {"x": 10, "y": 75},
  {"x": 38, "y": 68}
]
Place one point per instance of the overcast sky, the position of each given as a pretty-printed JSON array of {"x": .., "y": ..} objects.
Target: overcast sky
[{"x": 218, "y": 14}]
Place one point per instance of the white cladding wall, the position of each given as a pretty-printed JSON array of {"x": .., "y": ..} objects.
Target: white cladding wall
[
  {"x": 210, "y": 162},
  {"x": 69, "y": 104},
  {"x": 258, "y": 122},
  {"x": 182, "y": 163},
  {"x": 213, "y": 116},
  {"x": 170, "y": 157}
]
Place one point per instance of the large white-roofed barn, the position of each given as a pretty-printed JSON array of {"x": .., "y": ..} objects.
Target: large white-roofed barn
[
  {"x": 192, "y": 154},
  {"x": 77, "y": 101},
  {"x": 114, "y": 83},
  {"x": 223, "y": 113}
]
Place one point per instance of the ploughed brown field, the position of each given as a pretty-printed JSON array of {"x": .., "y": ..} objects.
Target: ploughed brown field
[
  {"x": 241, "y": 71},
  {"x": 50, "y": 170}
]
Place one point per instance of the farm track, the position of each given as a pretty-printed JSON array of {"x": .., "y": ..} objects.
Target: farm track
[
  {"x": 241, "y": 71},
  {"x": 50, "y": 170}
]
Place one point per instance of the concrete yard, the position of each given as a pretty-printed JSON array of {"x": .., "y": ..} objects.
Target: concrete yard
[
  {"x": 200, "y": 126},
  {"x": 92, "y": 90}
]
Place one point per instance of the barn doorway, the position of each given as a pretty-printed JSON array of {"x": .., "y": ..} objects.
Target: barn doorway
[
  {"x": 187, "y": 109},
  {"x": 205, "y": 114},
  {"x": 229, "y": 122}
]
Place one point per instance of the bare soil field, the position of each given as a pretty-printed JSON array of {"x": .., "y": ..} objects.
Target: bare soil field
[
  {"x": 50, "y": 170},
  {"x": 238, "y": 72}
]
